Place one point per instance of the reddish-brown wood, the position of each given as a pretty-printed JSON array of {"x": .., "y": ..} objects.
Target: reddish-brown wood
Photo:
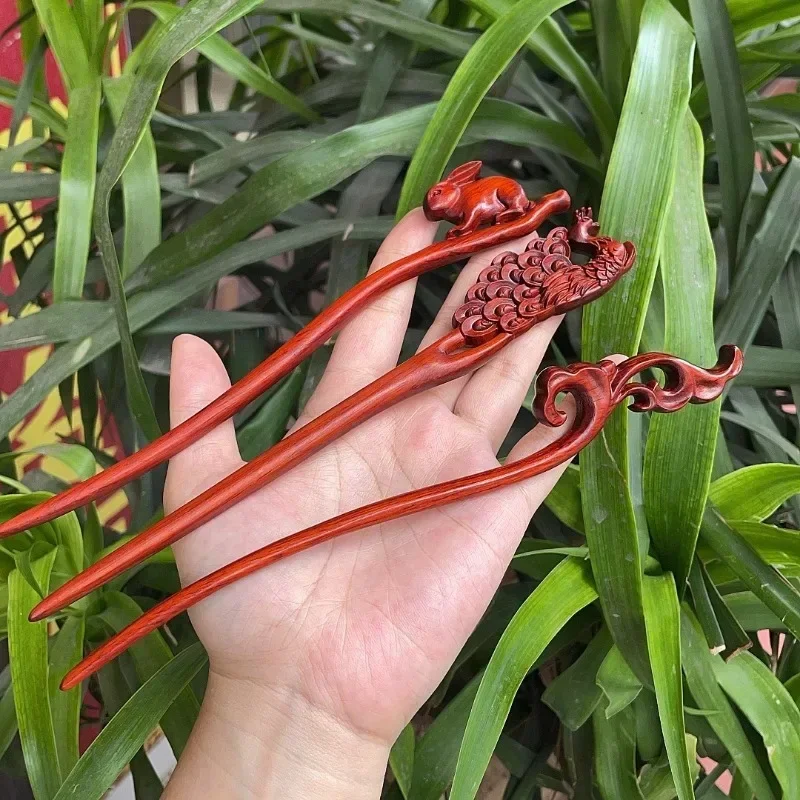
[
  {"x": 306, "y": 341},
  {"x": 469, "y": 201},
  {"x": 597, "y": 389},
  {"x": 532, "y": 272}
]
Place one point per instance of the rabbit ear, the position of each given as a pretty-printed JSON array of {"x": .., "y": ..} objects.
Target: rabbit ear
[{"x": 466, "y": 173}]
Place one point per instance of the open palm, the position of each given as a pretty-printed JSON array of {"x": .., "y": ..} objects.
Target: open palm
[{"x": 363, "y": 627}]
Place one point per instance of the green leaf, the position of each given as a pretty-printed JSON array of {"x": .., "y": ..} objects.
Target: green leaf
[
  {"x": 564, "y": 592},
  {"x": 734, "y": 140},
  {"x": 662, "y": 618},
  {"x": 16, "y": 186},
  {"x": 65, "y": 652},
  {"x": 779, "y": 547},
  {"x": 615, "y": 754},
  {"x": 634, "y": 207},
  {"x": 385, "y": 16},
  {"x": 392, "y": 53},
  {"x": 122, "y": 737},
  {"x": 771, "y": 710},
  {"x": 194, "y": 23},
  {"x": 702, "y": 590},
  {"x": 574, "y": 694},
  {"x": 39, "y": 110},
  {"x": 53, "y": 324},
  {"x": 656, "y": 780},
  {"x": 401, "y": 759},
  {"x": 675, "y": 488},
  {"x": 555, "y": 50},
  {"x": 141, "y": 193},
  {"x": 473, "y": 78},
  {"x": 63, "y": 34},
  {"x": 775, "y": 237},
  {"x": 617, "y": 682},
  {"x": 436, "y": 752},
  {"x": 8, "y": 718},
  {"x": 748, "y": 15},
  {"x": 564, "y": 499},
  {"x": 150, "y": 655},
  {"x": 755, "y": 492},
  {"x": 76, "y": 191},
  {"x": 222, "y": 53},
  {"x": 767, "y": 584},
  {"x": 75, "y": 456},
  {"x": 27, "y": 644},
  {"x": 698, "y": 666},
  {"x": 268, "y": 425}
]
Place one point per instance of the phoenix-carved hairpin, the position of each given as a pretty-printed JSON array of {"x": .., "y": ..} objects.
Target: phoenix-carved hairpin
[{"x": 514, "y": 293}]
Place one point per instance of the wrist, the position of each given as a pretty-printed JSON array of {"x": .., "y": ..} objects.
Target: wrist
[{"x": 259, "y": 743}]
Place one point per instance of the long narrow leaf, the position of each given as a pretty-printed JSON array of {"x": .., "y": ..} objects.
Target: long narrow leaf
[
  {"x": 150, "y": 655},
  {"x": 564, "y": 592},
  {"x": 735, "y": 149},
  {"x": 552, "y": 46},
  {"x": 220, "y": 52},
  {"x": 698, "y": 665},
  {"x": 76, "y": 191},
  {"x": 754, "y": 493},
  {"x": 307, "y": 172},
  {"x": 615, "y": 754},
  {"x": 776, "y": 236},
  {"x": 767, "y": 584},
  {"x": 126, "y": 732},
  {"x": 66, "y": 651},
  {"x": 148, "y": 306},
  {"x": 64, "y": 36},
  {"x": 141, "y": 192},
  {"x": 662, "y": 617},
  {"x": 771, "y": 710},
  {"x": 476, "y": 73},
  {"x": 674, "y": 490},
  {"x": 635, "y": 203},
  {"x": 27, "y": 643}
]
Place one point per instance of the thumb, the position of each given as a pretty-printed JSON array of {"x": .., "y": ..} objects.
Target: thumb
[{"x": 197, "y": 377}]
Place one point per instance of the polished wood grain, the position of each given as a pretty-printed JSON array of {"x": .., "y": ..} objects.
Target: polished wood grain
[{"x": 597, "y": 390}]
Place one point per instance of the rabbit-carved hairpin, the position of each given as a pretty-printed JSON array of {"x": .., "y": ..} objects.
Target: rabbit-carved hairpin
[{"x": 516, "y": 292}]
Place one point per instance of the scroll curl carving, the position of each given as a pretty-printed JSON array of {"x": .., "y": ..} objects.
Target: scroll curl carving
[
  {"x": 599, "y": 388},
  {"x": 517, "y": 291}
]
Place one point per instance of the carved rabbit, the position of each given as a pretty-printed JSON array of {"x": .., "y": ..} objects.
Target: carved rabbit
[{"x": 469, "y": 202}]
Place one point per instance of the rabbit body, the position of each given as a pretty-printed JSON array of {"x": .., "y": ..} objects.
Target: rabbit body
[{"x": 469, "y": 201}]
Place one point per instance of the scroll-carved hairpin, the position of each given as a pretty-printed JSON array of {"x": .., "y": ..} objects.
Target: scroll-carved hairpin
[
  {"x": 597, "y": 389},
  {"x": 516, "y": 292}
]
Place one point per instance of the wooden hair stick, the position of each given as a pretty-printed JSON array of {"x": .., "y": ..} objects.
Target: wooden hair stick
[
  {"x": 597, "y": 389},
  {"x": 463, "y": 198}
]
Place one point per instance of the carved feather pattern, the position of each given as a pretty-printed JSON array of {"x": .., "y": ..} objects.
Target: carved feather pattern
[{"x": 516, "y": 291}]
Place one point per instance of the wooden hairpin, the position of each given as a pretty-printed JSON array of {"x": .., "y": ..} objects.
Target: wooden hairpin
[
  {"x": 597, "y": 390},
  {"x": 513, "y": 294}
]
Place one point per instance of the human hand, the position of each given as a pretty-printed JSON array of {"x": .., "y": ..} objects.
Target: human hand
[{"x": 334, "y": 649}]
